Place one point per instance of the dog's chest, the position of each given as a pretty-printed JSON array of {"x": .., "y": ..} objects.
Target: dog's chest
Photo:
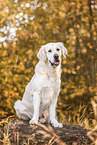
[
  {"x": 53, "y": 77},
  {"x": 54, "y": 82},
  {"x": 52, "y": 88},
  {"x": 47, "y": 96}
]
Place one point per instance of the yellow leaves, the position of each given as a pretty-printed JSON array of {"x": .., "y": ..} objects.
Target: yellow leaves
[
  {"x": 65, "y": 70},
  {"x": 35, "y": 34},
  {"x": 78, "y": 67},
  {"x": 31, "y": 36},
  {"x": 21, "y": 66},
  {"x": 74, "y": 37},
  {"x": 65, "y": 90},
  {"x": 78, "y": 26},
  {"x": 84, "y": 50},
  {"x": 73, "y": 72},
  {"x": 88, "y": 35},
  {"x": 73, "y": 3},
  {"x": 95, "y": 33},
  {"x": 91, "y": 47},
  {"x": 54, "y": 23},
  {"x": 77, "y": 92},
  {"x": 80, "y": 40},
  {"x": 68, "y": 71},
  {"x": 79, "y": 5},
  {"x": 49, "y": 25},
  {"x": 62, "y": 14},
  {"x": 29, "y": 51},
  {"x": 3, "y": 19},
  {"x": 71, "y": 30},
  {"x": 4, "y": 53},
  {"x": 3, "y": 13},
  {"x": 73, "y": 42},
  {"x": 27, "y": 37},
  {"x": 34, "y": 25},
  {"x": 23, "y": 32},
  {"x": 6, "y": 93},
  {"x": 64, "y": 61}
]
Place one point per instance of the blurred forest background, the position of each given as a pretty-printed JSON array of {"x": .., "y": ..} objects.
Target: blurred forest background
[{"x": 25, "y": 25}]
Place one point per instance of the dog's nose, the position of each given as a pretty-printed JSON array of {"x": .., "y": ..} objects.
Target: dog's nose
[{"x": 56, "y": 56}]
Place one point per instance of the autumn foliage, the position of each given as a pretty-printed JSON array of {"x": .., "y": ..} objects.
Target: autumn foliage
[{"x": 25, "y": 25}]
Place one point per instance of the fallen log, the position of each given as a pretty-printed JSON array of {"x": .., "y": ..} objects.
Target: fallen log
[{"x": 20, "y": 132}]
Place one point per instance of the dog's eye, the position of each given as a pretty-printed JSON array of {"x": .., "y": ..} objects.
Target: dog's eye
[
  {"x": 50, "y": 50},
  {"x": 57, "y": 49}
]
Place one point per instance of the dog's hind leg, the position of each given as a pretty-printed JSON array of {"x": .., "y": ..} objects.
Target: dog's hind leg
[{"x": 22, "y": 111}]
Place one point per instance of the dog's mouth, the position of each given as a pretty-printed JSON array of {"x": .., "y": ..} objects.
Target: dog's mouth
[{"x": 56, "y": 63}]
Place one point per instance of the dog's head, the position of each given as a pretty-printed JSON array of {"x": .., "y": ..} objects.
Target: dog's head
[{"x": 52, "y": 53}]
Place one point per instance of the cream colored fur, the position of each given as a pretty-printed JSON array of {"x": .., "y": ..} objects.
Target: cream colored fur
[{"x": 41, "y": 93}]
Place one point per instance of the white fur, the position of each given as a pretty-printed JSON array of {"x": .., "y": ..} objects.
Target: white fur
[{"x": 42, "y": 91}]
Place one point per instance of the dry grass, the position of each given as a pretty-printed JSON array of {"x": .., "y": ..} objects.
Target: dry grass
[
  {"x": 5, "y": 123},
  {"x": 79, "y": 120}
]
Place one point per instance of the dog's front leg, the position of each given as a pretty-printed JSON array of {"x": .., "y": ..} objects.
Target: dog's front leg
[
  {"x": 36, "y": 105},
  {"x": 52, "y": 114}
]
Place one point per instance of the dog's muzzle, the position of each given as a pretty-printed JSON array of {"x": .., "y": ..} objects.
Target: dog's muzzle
[{"x": 56, "y": 60}]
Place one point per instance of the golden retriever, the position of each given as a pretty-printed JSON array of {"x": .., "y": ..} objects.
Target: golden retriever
[{"x": 41, "y": 93}]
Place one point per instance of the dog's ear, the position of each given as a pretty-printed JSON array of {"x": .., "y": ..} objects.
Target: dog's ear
[
  {"x": 42, "y": 54},
  {"x": 64, "y": 50}
]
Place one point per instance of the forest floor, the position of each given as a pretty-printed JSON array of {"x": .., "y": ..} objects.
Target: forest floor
[{"x": 19, "y": 132}]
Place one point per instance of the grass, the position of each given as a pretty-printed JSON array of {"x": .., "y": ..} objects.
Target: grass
[
  {"x": 80, "y": 118},
  {"x": 6, "y": 135}
]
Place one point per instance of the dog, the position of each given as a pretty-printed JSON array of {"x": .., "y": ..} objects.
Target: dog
[{"x": 41, "y": 93}]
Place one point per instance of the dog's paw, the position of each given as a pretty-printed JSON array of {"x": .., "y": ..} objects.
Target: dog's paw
[
  {"x": 57, "y": 125},
  {"x": 32, "y": 121},
  {"x": 42, "y": 120}
]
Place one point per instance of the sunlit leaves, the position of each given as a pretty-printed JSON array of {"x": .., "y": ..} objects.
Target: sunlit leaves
[{"x": 26, "y": 25}]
